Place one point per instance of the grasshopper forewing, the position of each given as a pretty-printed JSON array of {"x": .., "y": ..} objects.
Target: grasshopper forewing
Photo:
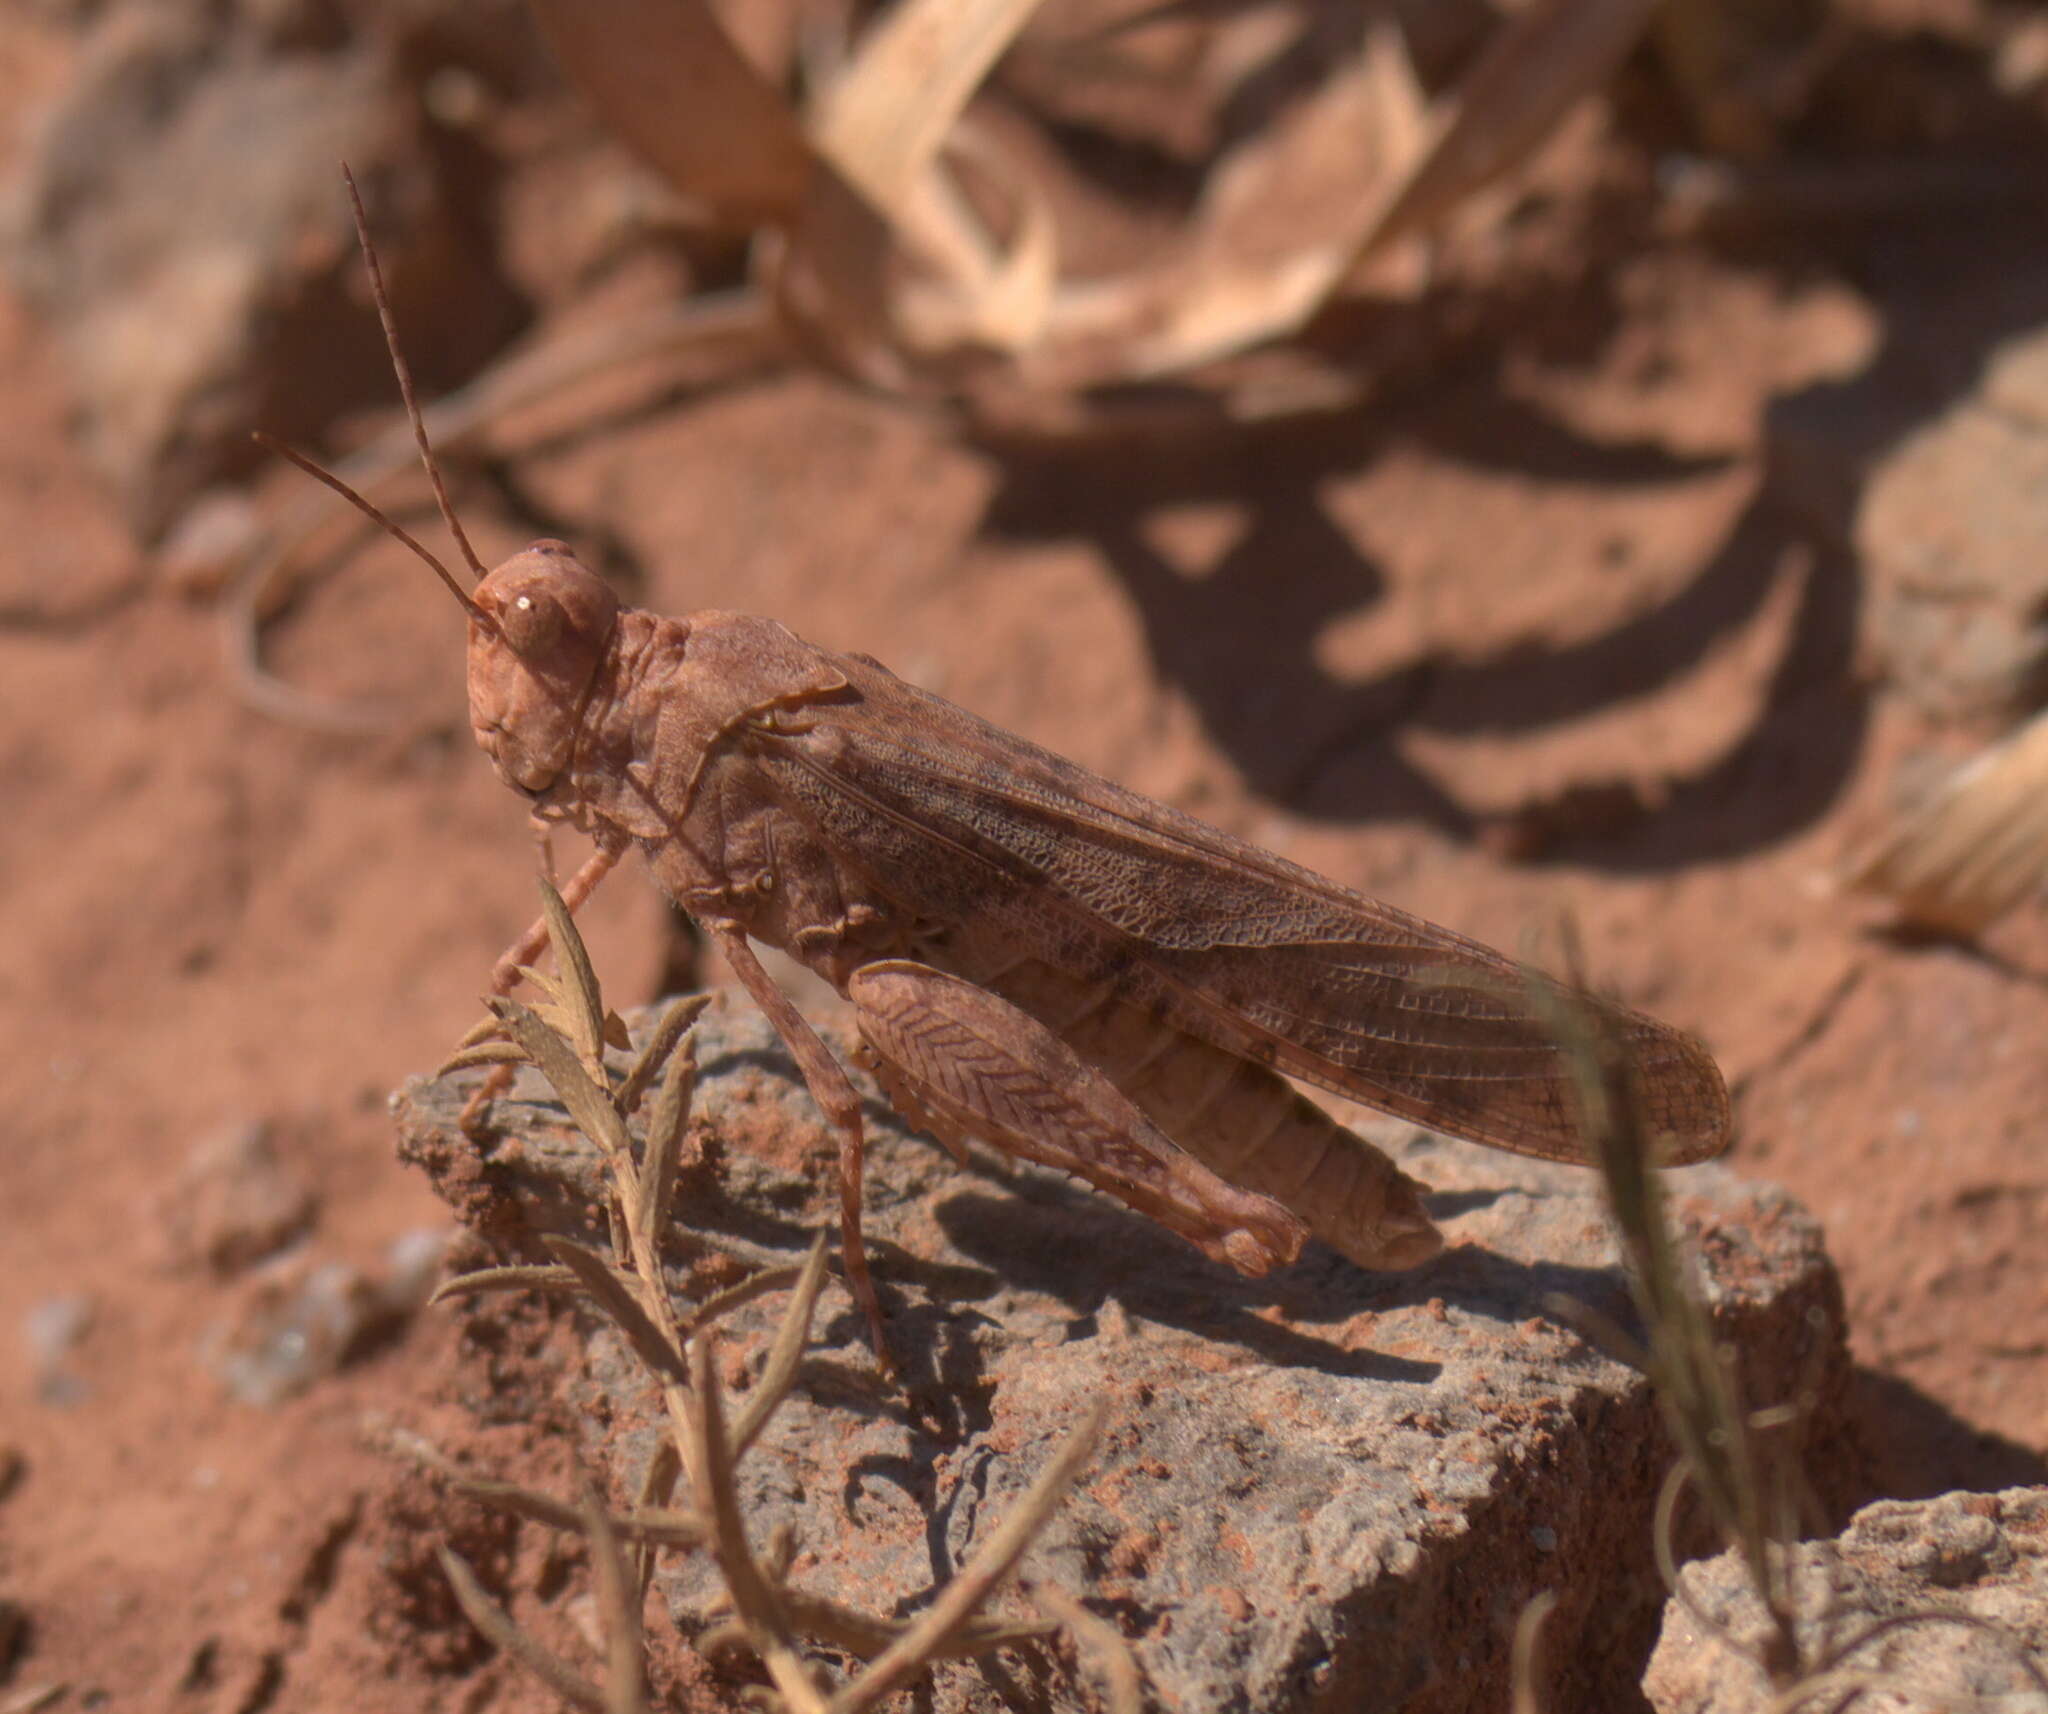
[{"x": 1035, "y": 957}]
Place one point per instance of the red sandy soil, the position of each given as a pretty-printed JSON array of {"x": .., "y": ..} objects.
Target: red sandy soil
[{"x": 1528, "y": 638}]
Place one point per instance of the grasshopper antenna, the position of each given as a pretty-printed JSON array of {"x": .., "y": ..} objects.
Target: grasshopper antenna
[
  {"x": 320, "y": 474},
  {"x": 412, "y": 404}
]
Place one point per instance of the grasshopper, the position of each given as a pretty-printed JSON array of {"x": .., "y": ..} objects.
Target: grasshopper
[{"x": 1035, "y": 956}]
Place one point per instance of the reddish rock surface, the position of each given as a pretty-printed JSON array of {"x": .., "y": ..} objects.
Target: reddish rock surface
[
  {"x": 1314, "y": 1491},
  {"x": 1939, "y": 1603}
]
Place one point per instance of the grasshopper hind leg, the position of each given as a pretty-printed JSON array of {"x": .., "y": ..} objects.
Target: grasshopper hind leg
[
  {"x": 833, "y": 1091},
  {"x": 962, "y": 1061}
]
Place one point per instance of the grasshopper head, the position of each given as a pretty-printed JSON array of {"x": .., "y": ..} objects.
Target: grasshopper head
[
  {"x": 538, "y": 633},
  {"x": 539, "y": 626}
]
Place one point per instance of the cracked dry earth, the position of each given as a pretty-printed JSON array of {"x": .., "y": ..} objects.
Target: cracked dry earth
[{"x": 1556, "y": 628}]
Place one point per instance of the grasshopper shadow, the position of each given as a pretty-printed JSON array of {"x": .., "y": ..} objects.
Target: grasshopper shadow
[{"x": 1050, "y": 1238}]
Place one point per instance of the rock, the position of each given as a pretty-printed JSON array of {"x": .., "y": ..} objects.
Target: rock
[
  {"x": 235, "y": 1201},
  {"x": 179, "y": 221},
  {"x": 53, "y": 1328},
  {"x": 1982, "y": 1558},
  {"x": 299, "y": 1319},
  {"x": 1328, "y": 1489}
]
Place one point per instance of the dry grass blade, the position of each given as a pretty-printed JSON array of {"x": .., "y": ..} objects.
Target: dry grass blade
[
  {"x": 1290, "y": 218},
  {"x": 882, "y": 123},
  {"x": 984, "y": 299},
  {"x": 1545, "y": 59},
  {"x": 518, "y": 1277},
  {"x": 1977, "y": 848},
  {"x": 794, "y": 1333},
  {"x": 654, "y": 1057},
  {"x": 879, "y": 193},
  {"x": 1279, "y": 221},
  {"x": 589, "y": 1106},
  {"x": 666, "y": 76},
  {"x": 1101, "y": 1646},
  {"x": 1664, "y": 1546},
  {"x": 616, "y": 1299},
  {"x": 578, "y": 991},
  {"x": 756, "y": 1602},
  {"x": 618, "y": 1600},
  {"x": 979, "y": 1578},
  {"x": 497, "y": 1626},
  {"x": 1692, "y": 1372}
]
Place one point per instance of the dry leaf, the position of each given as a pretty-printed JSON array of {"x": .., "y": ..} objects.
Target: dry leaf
[
  {"x": 1539, "y": 66},
  {"x": 881, "y": 196},
  {"x": 1977, "y": 848},
  {"x": 883, "y": 123},
  {"x": 667, "y": 79}
]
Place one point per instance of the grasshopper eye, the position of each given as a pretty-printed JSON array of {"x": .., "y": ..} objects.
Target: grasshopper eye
[{"x": 531, "y": 624}]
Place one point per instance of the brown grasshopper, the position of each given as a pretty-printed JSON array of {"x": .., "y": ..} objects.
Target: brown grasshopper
[{"x": 1035, "y": 957}]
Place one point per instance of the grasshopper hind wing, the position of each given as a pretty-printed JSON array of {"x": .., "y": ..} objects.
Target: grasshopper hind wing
[{"x": 1421, "y": 1023}]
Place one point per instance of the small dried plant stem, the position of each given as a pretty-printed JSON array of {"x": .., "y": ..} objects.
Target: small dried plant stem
[
  {"x": 1526, "y": 1655},
  {"x": 755, "y": 1599},
  {"x": 650, "y": 1287},
  {"x": 497, "y": 1626},
  {"x": 619, "y": 1598},
  {"x": 993, "y": 1560},
  {"x": 1689, "y": 1366},
  {"x": 565, "y": 1038},
  {"x": 1100, "y": 1645},
  {"x": 697, "y": 1427}
]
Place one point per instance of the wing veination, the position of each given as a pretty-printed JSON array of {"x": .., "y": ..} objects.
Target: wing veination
[{"x": 1230, "y": 943}]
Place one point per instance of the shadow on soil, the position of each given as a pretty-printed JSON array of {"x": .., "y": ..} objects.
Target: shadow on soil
[
  {"x": 1949, "y": 286},
  {"x": 1916, "y": 1447}
]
